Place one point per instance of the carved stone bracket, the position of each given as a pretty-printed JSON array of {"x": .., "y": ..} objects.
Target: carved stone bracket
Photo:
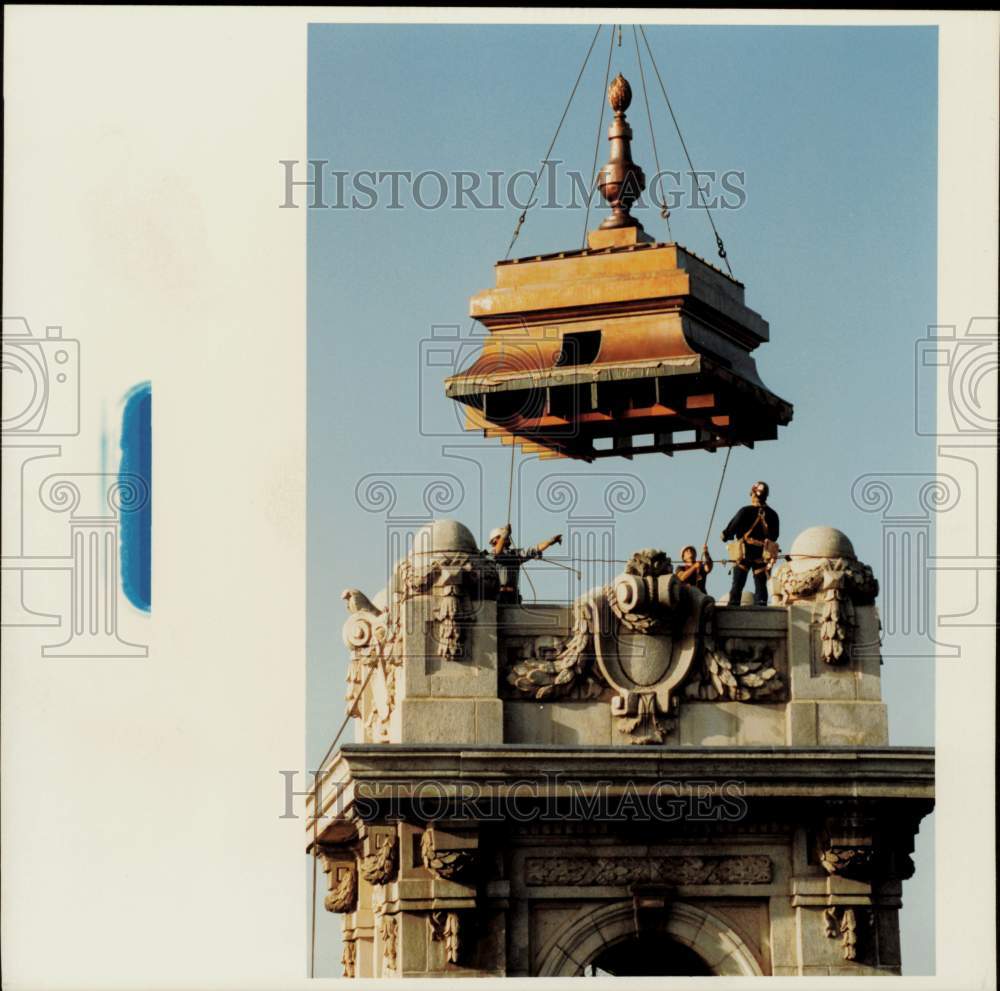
[
  {"x": 450, "y": 863},
  {"x": 380, "y": 866},
  {"x": 845, "y": 844},
  {"x": 444, "y": 928},
  {"x": 342, "y": 881}
]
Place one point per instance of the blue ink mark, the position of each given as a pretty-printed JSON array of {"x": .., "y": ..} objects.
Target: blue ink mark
[{"x": 136, "y": 523}]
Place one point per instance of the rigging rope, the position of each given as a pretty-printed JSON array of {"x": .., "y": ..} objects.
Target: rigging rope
[
  {"x": 316, "y": 815},
  {"x": 718, "y": 240},
  {"x": 597, "y": 146},
  {"x": 718, "y": 492},
  {"x": 552, "y": 144},
  {"x": 664, "y": 211}
]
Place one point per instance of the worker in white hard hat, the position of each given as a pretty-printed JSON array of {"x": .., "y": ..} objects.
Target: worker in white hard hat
[
  {"x": 752, "y": 536},
  {"x": 509, "y": 560}
]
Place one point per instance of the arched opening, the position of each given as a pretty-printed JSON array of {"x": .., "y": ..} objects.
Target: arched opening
[
  {"x": 684, "y": 941},
  {"x": 648, "y": 956}
]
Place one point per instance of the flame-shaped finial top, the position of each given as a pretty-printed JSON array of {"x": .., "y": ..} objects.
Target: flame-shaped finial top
[{"x": 619, "y": 94}]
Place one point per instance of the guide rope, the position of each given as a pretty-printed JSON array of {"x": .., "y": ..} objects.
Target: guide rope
[
  {"x": 316, "y": 814},
  {"x": 698, "y": 194},
  {"x": 718, "y": 492}
]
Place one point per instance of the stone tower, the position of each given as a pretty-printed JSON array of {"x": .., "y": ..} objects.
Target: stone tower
[{"x": 640, "y": 782}]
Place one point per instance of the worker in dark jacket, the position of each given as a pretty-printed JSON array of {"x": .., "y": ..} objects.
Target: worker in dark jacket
[
  {"x": 509, "y": 560},
  {"x": 691, "y": 571},
  {"x": 756, "y": 526}
]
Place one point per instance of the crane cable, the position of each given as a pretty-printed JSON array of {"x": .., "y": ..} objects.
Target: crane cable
[
  {"x": 664, "y": 210},
  {"x": 697, "y": 186},
  {"x": 597, "y": 146},
  {"x": 552, "y": 144}
]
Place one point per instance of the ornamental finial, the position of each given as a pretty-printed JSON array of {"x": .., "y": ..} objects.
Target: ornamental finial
[
  {"x": 621, "y": 181},
  {"x": 619, "y": 94}
]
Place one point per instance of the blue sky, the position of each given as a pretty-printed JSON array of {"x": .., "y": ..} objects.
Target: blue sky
[{"x": 835, "y": 131}]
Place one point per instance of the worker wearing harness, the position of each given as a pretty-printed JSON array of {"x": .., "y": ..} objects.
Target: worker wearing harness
[
  {"x": 756, "y": 528},
  {"x": 509, "y": 560}
]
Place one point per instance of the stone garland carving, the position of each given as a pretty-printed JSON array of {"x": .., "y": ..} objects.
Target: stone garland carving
[
  {"x": 444, "y": 927},
  {"x": 739, "y": 670},
  {"x": 388, "y": 934},
  {"x": 349, "y": 958},
  {"x": 605, "y": 651},
  {"x": 343, "y": 884},
  {"x": 454, "y": 579},
  {"x": 846, "y": 927},
  {"x": 380, "y": 867},
  {"x": 561, "y": 667},
  {"x": 603, "y": 871},
  {"x": 449, "y": 865},
  {"x": 565, "y": 667},
  {"x": 844, "y": 584}
]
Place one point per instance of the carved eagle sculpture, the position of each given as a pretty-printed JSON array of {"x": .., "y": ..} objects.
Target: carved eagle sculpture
[
  {"x": 358, "y": 635},
  {"x": 357, "y": 601}
]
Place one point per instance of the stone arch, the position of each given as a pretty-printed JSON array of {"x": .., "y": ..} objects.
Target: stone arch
[{"x": 590, "y": 932}]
